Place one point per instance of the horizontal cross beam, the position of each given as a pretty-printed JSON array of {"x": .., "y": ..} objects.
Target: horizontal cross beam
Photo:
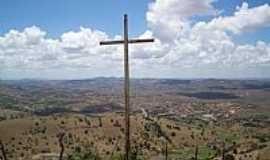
[{"x": 129, "y": 41}]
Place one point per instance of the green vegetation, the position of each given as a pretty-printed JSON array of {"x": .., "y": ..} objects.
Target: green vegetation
[
  {"x": 53, "y": 101},
  {"x": 259, "y": 115},
  {"x": 205, "y": 153},
  {"x": 87, "y": 156},
  {"x": 7, "y": 102},
  {"x": 154, "y": 128},
  {"x": 263, "y": 137},
  {"x": 228, "y": 136},
  {"x": 117, "y": 157},
  {"x": 183, "y": 153},
  {"x": 78, "y": 155}
]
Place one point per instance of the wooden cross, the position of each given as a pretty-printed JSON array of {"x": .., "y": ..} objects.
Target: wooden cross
[{"x": 126, "y": 42}]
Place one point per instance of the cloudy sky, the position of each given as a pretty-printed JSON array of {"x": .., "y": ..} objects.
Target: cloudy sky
[{"x": 194, "y": 38}]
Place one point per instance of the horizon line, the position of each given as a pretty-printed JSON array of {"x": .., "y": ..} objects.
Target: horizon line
[{"x": 136, "y": 78}]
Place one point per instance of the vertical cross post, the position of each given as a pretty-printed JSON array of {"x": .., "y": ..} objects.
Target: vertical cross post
[
  {"x": 126, "y": 63},
  {"x": 126, "y": 42},
  {"x": 166, "y": 150}
]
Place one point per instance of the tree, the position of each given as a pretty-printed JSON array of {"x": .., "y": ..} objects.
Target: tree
[
  {"x": 196, "y": 153},
  {"x": 223, "y": 151},
  {"x": 61, "y": 144},
  {"x": 166, "y": 151},
  {"x": 2, "y": 147},
  {"x": 100, "y": 121},
  {"x": 114, "y": 149}
]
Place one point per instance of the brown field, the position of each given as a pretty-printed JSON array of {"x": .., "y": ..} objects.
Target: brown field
[{"x": 182, "y": 114}]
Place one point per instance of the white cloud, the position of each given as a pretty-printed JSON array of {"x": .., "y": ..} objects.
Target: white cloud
[
  {"x": 207, "y": 44},
  {"x": 244, "y": 19},
  {"x": 86, "y": 40},
  {"x": 169, "y": 18}
]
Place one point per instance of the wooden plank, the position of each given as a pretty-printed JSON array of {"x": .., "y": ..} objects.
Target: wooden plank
[
  {"x": 126, "y": 63},
  {"x": 130, "y": 41},
  {"x": 112, "y": 42},
  {"x": 141, "y": 40}
]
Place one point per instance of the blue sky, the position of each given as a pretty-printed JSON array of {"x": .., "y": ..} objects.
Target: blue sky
[
  {"x": 59, "y": 16},
  {"x": 62, "y": 21}
]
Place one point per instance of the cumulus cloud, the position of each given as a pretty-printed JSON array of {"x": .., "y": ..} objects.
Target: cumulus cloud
[
  {"x": 84, "y": 41},
  {"x": 169, "y": 18},
  {"x": 207, "y": 44},
  {"x": 182, "y": 47},
  {"x": 244, "y": 19},
  {"x": 28, "y": 48}
]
